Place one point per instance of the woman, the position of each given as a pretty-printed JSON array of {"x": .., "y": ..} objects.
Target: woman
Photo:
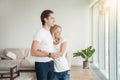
[{"x": 60, "y": 64}]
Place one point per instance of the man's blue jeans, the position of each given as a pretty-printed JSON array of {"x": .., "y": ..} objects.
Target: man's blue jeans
[
  {"x": 44, "y": 70},
  {"x": 61, "y": 75}
]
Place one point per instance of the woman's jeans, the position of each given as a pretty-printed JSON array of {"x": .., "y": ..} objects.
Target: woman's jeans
[
  {"x": 44, "y": 70},
  {"x": 61, "y": 75}
]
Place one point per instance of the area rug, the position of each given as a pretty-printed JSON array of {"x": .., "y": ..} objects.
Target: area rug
[{"x": 24, "y": 76}]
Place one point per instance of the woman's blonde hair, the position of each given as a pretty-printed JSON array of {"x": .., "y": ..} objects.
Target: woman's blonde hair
[{"x": 53, "y": 28}]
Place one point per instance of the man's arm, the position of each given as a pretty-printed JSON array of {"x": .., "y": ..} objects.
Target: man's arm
[
  {"x": 41, "y": 53},
  {"x": 35, "y": 50}
]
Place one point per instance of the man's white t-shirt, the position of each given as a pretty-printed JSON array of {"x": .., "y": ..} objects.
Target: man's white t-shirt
[
  {"x": 60, "y": 64},
  {"x": 46, "y": 43}
]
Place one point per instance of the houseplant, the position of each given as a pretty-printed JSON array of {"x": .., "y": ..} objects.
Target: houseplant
[{"x": 86, "y": 54}]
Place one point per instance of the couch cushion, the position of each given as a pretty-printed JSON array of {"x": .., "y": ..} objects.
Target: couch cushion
[
  {"x": 19, "y": 52},
  {"x": 29, "y": 60},
  {"x": 5, "y": 65},
  {"x": 26, "y": 52},
  {"x": 26, "y": 64}
]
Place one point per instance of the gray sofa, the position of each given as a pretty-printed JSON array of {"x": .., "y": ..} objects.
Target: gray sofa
[{"x": 23, "y": 57}]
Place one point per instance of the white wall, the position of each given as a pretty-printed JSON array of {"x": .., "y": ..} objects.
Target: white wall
[
  {"x": 90, "y": 1},
  {"x": 19, "y": 19}
]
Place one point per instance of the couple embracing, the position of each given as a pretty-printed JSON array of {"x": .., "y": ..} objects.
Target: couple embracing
[{"x": 49, "y": 50}]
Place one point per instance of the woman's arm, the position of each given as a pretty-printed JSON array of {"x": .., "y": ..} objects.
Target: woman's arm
[{"x": 62, "y": 49}]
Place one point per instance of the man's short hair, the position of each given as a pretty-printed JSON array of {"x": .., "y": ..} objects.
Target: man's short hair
[{"x": 45, "y": 14}]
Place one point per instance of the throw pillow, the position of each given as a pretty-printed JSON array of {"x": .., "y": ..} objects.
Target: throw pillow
[{"x": 11, "y": 55}]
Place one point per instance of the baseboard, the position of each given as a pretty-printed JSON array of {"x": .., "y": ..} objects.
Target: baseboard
[{"x": 27, "y": 70}]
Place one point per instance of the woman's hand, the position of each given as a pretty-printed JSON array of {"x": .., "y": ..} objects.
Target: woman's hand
[{"x": 55, "y": 55}]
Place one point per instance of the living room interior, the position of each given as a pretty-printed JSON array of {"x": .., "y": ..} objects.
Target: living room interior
[{"x": 84, "y": 23}]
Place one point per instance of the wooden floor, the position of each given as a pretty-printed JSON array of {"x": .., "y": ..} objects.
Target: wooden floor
[{"x": 77, "y": 73}]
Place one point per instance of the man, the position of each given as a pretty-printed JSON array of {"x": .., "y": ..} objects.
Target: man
[{"x": 42, "y": 48}]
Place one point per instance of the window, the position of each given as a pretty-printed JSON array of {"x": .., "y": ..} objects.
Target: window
[
  {"x": 95, "y": 30},
  {"x": 100, "y": 37},
  {"x": 118, "y": 42},
  {"x": 107, "y": 44}
]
